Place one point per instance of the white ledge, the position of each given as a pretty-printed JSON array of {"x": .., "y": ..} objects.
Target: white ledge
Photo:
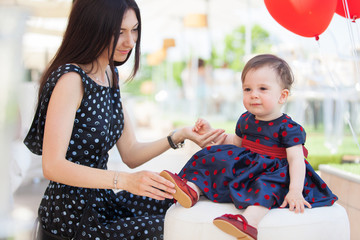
[{"x": 340, "y": 173}]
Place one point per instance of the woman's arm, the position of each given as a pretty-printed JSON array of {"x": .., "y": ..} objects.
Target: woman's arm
[
  {"x": 64, "y": 102},
  {"x": 294, "y": 198},
  {"x": 135, "y": 153}
]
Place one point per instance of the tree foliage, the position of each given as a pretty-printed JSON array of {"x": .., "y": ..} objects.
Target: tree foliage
[{"x": 235, "y": 43}]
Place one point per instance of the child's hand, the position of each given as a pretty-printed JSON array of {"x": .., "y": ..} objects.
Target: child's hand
[
  {"x": 202, "y": 126},
  {"x": 212, "y": 137},
  {"x": 205, "y": 135},
  {"x": 296, "y": 201}
]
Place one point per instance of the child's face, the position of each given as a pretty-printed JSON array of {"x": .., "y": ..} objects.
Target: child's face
[{"x": 263, "y": 94}]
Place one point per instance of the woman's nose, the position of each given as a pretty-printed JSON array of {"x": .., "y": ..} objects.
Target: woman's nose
[{"x": 130, "y": 40}]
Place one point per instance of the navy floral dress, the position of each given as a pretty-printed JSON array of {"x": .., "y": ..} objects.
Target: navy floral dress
[
  {"x": 258, "y": 172},
  {"x": 82, "y": 213}
]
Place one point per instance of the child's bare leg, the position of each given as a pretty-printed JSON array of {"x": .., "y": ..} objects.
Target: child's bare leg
[
  {"x": 195, "y": 187},
  {"x": 254, "y": 214}
]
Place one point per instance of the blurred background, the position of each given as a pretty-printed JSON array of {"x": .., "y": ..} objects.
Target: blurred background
[{"x": 193, "y": 52}]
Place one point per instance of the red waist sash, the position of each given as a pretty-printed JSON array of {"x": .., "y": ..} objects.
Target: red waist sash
[{"x": 278, "y": 152}]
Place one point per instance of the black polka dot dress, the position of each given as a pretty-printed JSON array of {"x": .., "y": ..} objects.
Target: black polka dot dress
[{"x": 82, "y": 213}]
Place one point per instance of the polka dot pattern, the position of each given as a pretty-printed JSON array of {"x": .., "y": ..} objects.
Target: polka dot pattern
[
  {"x": 226, "y": 173},
  {"x": 281, "y": 132},
  {"x": 81, "y": 213}
]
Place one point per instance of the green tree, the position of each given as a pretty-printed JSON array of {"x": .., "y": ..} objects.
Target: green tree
[{"x": 234, "y": 49}]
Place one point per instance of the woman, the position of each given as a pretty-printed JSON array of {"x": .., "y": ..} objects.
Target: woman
[{"x": 80, "y": 117}]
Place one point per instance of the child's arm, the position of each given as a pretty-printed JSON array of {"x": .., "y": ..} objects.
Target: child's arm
[
  {"x": 202, "y": 126},
  {"x": 294, "y": 198}
]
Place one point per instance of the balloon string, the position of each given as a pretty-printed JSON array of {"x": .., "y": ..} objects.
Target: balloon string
[
  {"x": 353, "y": 132},
  {"x": 355, "y": 55},
  {"x": 346, "y": 9},
  {"x": 339, "y": 95},
  {"x": 352, "y": 40},
  {"x": 333, "y": 81}
]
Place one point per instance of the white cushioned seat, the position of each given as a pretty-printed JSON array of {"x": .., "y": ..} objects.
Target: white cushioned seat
[{"x": 328, "y": 223}]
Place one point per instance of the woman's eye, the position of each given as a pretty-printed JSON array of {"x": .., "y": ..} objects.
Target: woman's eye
[{"x": 135, "y": 30}]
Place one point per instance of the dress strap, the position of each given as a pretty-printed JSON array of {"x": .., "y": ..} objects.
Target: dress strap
[{"x": 278, "y": 152}]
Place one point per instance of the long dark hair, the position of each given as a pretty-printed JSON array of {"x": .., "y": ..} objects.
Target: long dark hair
[{"x": 92, "y": 26}]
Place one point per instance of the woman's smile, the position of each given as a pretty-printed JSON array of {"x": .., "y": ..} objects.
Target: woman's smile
[{"x": 124, "y": 52}]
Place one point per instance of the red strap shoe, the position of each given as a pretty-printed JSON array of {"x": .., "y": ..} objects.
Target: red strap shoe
[
  {"x": 185, "y": 195},
  {"x": 237, "y": 226}
]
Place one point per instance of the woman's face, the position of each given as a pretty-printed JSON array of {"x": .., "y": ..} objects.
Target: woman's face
[{"x": 128, "y": 36}]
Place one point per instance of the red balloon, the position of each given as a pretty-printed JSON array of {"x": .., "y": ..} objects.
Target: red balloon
[
  {"x": 307, "y": 18},
  {"x": 353, "y": 6}
]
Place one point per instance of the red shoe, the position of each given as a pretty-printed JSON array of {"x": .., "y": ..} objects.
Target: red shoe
[
  {"x": 231, "y": 224},
  {"x": 185, "y": 195}
]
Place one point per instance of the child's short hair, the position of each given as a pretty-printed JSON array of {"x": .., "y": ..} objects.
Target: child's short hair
[{"x": 279, "y": 65}]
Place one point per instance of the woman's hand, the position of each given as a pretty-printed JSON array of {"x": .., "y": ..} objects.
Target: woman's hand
[
  {"x": 146, "y": 183},
  {"x": 296, "y": 201}
]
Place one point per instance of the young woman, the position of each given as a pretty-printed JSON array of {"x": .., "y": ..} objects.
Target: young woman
[
  {"x": 260, "y": 167},
  {"x": 80, "y": 117}
]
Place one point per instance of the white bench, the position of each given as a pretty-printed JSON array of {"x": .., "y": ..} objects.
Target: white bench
[{"x": 322, "y": 223}]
